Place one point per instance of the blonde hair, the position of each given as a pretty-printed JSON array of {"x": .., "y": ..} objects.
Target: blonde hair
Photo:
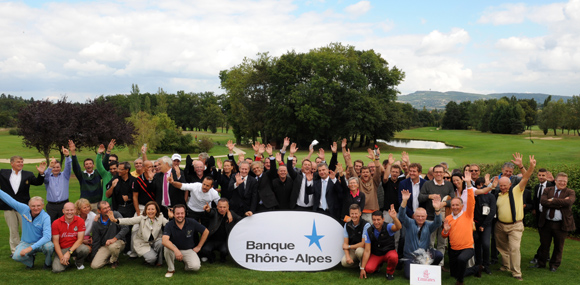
[{"x": 80, "y": 203}]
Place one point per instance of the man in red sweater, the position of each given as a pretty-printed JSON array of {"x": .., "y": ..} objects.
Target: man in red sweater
[{"x": 459, "y": 228}]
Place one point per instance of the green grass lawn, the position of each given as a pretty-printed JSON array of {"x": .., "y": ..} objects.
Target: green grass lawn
[{"x": 476, "y": 147}]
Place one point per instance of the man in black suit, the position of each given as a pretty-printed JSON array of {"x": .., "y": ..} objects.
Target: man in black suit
[
  {"x": 326, "y": 193},
  {"x": 165, "y": 194},
  {"x": 282, "y": 187},
  {"x": 244, "y": 191},
  {"x": 302, "y": 196},
  {"x": 265, "y": 198},
  {"x": 538, "y": 209},
  {"x": 556, "y": 221},
  {"x": 16, "y": 183}
]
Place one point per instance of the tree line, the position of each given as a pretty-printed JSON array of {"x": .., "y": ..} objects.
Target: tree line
[{"x": 513, "y": 116}]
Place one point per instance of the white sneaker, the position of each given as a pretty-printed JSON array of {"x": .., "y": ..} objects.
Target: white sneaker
[
  {"x": 204, "y": 259},
  {"x": 81, "y": 267},
  {"x": 169, "y": 274}
]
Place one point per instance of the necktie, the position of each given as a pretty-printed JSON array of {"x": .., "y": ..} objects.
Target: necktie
[
  {"x": 165, "y": 191},
  {"x": 307, "y": 192},
  {"x": 552, "y": 211},
  {"x": 539, "y": 194},
  {"x": 323, "y": 204}
]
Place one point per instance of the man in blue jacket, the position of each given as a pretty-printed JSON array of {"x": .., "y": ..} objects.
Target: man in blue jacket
[
  {"x": 36, "y": 231},
  {"x": 419, "y": 231}
]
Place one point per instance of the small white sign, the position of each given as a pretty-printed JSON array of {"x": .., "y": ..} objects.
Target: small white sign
[
  {"x": 425, "y": 274},
  {"x": 287, "y": 241}
]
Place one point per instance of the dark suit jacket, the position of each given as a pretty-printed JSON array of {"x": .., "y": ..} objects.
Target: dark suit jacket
[
  {"x": 215, "y": 220},
  {"x": 408, "y": 185},
  {"x": 537, "y": 196},
  {"x": 264, "y": 191},
  {"x": 283, "y": 190},
  {"x": 297, "y": 177},
  {"x": 560, "y": 203},
  {"x": 177, "y": 196},
  {"x": 23, "y": 195},
  {"x": 333, "y": 192},
  {"x": 244, "y": 198}
]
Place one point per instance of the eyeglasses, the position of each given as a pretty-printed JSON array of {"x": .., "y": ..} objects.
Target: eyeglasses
[
  {"x": 474, "y": 170},
  {"x": 111, "y": 160}
]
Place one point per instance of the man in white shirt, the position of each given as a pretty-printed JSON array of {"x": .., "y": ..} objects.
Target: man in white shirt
[{"x": 200, "y": 195}]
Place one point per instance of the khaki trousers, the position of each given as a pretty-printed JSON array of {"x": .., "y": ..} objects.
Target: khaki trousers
[
  {"x": 14, "y": 222},
  {"x": 190, "y": 258},
  {"x": 80, "y": 254},
  {"x": 441, "y": 241},
  {"x": 356, "y": 256},
  {"x": 107, "y": 254},
  {"x": 508, "y": 238}
]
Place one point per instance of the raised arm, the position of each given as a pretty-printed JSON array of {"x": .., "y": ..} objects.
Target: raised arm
[
  {"x": 528, "y": 173},
  {"x": 75, "y": 161},
  {"x": 518, "y": 160}
]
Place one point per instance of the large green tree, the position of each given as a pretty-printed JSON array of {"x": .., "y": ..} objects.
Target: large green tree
[{"x": 328, "y": 93}]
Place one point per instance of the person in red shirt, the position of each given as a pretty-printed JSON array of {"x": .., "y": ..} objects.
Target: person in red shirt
[{"x": 68, "y": 233}]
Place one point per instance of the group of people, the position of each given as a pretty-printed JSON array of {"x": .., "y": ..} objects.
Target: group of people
[{"x": 390, "y": 212}]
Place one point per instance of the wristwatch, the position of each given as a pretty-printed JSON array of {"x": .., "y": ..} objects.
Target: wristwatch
[{"x": 70, "y": 251}]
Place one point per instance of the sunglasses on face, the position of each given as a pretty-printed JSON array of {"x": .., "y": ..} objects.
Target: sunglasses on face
[{"x": 447, "y": 177}]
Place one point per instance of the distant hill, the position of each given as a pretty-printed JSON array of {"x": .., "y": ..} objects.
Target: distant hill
[{"x": 438, "y": 100}]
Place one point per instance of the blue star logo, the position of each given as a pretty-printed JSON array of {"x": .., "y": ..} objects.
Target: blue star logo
[{"x": 314, "y": 238}]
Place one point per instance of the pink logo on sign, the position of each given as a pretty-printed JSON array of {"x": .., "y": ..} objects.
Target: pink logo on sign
[{"x": 425, "y": 277}]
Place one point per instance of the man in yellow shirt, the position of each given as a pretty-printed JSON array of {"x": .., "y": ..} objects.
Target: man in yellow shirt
[{"x": 510, "y": 227}]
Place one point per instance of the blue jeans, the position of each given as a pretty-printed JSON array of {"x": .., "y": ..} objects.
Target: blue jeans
[{"x": 47, "y": 249}]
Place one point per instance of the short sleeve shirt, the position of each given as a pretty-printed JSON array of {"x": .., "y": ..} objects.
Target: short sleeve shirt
[
  {"x": 366, "y": 237},
  {"x": 184, "y": 238},
  {"x": 68, "y": 233}
]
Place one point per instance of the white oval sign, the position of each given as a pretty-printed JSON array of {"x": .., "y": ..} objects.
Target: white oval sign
[{"x": 287, "y": 241}]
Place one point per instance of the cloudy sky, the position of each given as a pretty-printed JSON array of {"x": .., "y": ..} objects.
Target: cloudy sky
[{"x": 83, "y": 49}]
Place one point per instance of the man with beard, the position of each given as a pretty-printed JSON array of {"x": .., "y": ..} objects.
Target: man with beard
[{"x": 179, "y": 240}]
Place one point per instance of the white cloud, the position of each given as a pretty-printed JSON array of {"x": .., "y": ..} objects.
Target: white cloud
[
  {"x": 505, "y": 14},
  {"x": 358, "y": 9},
  {"x": 437, "y": 42},
  {"x": 21, "y": 66},
  {"x": 88, "y": 68},
  {"x": 515, "y": 43}
]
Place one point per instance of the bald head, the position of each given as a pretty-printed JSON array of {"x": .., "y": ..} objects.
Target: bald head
[{"x": 504, "y": 184}]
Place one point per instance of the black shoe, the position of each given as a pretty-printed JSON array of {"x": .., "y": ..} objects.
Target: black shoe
[
  {"x": 478, "y": 272},
  {"x": 47, "y": 267},
  {"x": 536, "y": 266},
  {"x": 534, "y": 261},
  {"x": 486, "y": 270},
  {"x": 553, "y": 269},
  {"x": 33, "y": 259},
  {"x": 493, "y": 261},
  {"x": 390, "y": 277}
]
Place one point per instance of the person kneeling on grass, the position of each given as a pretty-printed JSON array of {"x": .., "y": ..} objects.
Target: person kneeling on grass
[
  {"x": 35, "y": 231},
  {"x": 108, "y": 237},
  {"x": 68, "y": 233},
  {"x": 179, "y": 238},
  {"x": 147, "y": 240},
  {"x": 380, "y": 244}
]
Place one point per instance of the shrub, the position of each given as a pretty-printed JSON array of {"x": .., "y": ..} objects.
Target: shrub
[
  {"x": 13, "y": 132},
  {"x": 205, "y": 144}
]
